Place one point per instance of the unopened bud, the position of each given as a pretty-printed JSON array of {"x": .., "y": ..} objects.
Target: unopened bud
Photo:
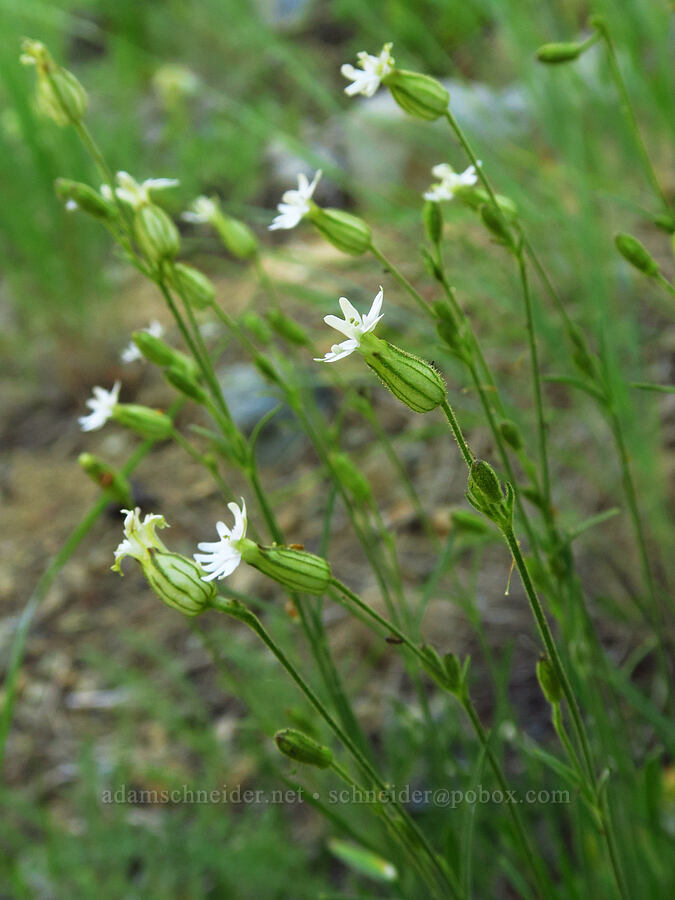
[
  {"x": 413, "y": 380},
  {"x": 302, "y": 748},
  {"x": 77, "y": 195},
  {"x": 59, "y": 94},
  {"x": 149, "y": 423},
  {"x": 483, "y": 482},
  {"x": 350, "y": 475},
  {"x": 107, "y": 478},
  {"x": 453, "y": 672},
  {"x": 193, "y": 285},
  {"x": 257, "y": 326},
  {"x": 287, "y": 328},
  {"x": 417, "y": 94},
  {"x": 477, "y": 196},
  {"x": 236, "y": 236},
  {"x": 178, "y": 581},
  {"x": 265, "y": 367},
  {"x": 295, "y": 569},
  {"x": 433, "y": 220},
  {"x": 496, "y": 224},
  {"x": 156, "y": 234},
  {"x": 636, "y": 254},
  {"x": 346, "y": 232},
  {"x": 559, "y": 52},
  {"x": 156, "y": 351},
  {"x": 184, "y": 382},
  {"x": 548, "y": 681},
  {"x": 511, "y": 434}
]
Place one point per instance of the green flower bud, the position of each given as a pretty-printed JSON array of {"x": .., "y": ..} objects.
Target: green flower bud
[
  {"x": 236, "y": 236},
  {"x": 434, "y": 666},
  {"x": 149, "y": 423},
  {"x": 433, "y": 220},
  {"x": 483, "y": 482},
  {"x": 351, "y": 476},
  {"x": 156, "y": 351},
  {"x": 77, "y": 195},
  {"x": 548, "y": 681},
  {"x": 346, "y": 232},
  {"x": 266, "y": 368},
  {"x": 257, "y": 326},
  {"x": 418, "y": 95},
  {"x": 453, "y": 672},
  {"x": 431, "y": 265},
  {"x": 185, "y": 382},
  {"x": 559, "y": 52},
  {"x": 59, "y": 94},
  {"x": 177, "y": 581},
  {"x": 107, "y": 478},
  {"x": 496, "y": 224},
  {"x": 156, "y": 234},
  {"x": 287, "y": 328},
  {"x": 295, "y": 569},
  {"x": 475, "y": 197},
  {"x": 636, "y": 254},
  {"x": 302, "y": 748},
  {"x": 414, "y": 381},
  {"x": 193, "y": 285},
  {"x": 511, "y": 434}
]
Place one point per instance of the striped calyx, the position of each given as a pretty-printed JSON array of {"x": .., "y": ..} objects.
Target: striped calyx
[
  {"x": 295, "y": 569},
  {"x": 412, "y": 380},
  {"x": 178, "y": 581}
]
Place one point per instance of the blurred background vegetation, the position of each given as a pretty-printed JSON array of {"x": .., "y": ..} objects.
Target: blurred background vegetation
[{"x": 233, "y": 98}]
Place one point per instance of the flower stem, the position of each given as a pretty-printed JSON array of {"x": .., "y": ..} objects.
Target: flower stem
[
  {"x": 457, "y": 431},
  {"x": 402, "y": 280}
]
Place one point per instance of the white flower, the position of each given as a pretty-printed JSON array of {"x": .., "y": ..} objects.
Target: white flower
[
  {"x": 295, "y": 204},
  {"x": 133, "y": 193},
  {"x": 202, "y": 210},
  {"x": 102, "y": 406},
  {"x": 353, "y": 326},
  {"x": 139, "y": 537},
  {"x": 366, "y": 80},
  {"x": 222, "y": 557},
  {"x": 450, "y": 182},
  {"x": 131, "y": 352}
]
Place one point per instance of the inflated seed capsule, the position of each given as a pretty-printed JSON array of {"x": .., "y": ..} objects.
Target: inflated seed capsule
[
  {"x": 59, "y": 94},
  {"x": 236, "y": 236},
  {"x": 295, "y": 569},
  {"x": 411, "y": 379},
  {"x": 156, "y": 234},
  {"x": 186, "y": 383},
  {"x": 178, "y": 581},
  {"x": 156, "y": 351},
  {"x": 496, "y": 224},
  {"x": 302, "y": 748},
  {"x": 636, "y": 254},
  {"x": 346, "y": 232},
  {"x": 417, "y": 94}
]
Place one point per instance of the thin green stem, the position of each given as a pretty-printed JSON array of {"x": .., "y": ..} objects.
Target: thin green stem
[
  {"x": 629, "y": 113},
  {"x": 457, "y": 431},
  {"x": 536, "y": 381},
  {"x": 242, "y": 614},
  {"x": 666, "y": 284},
  {"x": 402, "y": 280}
]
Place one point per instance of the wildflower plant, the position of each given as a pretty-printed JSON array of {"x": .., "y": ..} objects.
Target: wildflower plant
[{"x": 502, "y": 491}]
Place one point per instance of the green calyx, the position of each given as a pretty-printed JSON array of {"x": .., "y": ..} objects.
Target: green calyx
[
  {"x": 295, "y": 569},
  {"x": 411, "y": 379}
]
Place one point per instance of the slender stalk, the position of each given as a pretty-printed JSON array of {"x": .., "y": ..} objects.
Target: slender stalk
[
  {"x": 402, "y": 280},
  {"x": 536, "y": 381},
  {"x": 629, "y": 113},
  {"x": 457, "y": 432},
  {"x": 242, "y": 614},
  {"x": 666, "y": 284}
]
